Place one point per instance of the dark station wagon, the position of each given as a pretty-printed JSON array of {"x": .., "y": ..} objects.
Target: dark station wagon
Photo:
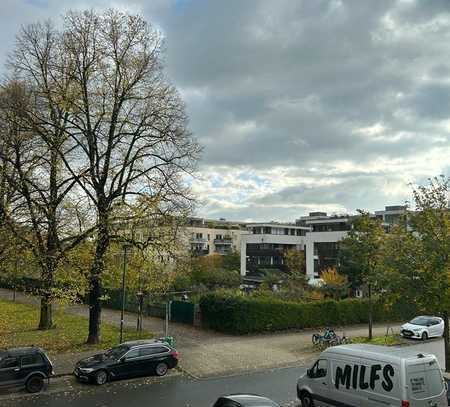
[
  {"x": 129, "y": 359},
  {"x": 29, "y": 367}
]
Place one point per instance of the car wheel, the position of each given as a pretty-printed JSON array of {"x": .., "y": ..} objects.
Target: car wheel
[
  {"x": 424, "y": 336},
  {"x": 161, "y": 369},
  {"x": 101, "y": 377},
  {"x": 306, "y": 399},
  {"x": 35, "y": 384}
]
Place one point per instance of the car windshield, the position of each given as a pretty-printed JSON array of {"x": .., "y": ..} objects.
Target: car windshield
[
  {"x": 420, "y": 321},
  {"x": 115, "y": 353}
]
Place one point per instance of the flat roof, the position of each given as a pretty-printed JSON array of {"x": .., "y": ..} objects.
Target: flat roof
[{"x": 276, "y": 224}]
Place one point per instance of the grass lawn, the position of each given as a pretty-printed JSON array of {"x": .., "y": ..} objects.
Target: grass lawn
[
  {"x": 390, "y": 340},
  {"x": 18, "y": 324}
]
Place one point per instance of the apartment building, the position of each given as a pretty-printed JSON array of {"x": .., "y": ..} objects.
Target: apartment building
[
  {"x": 317, "y": 234},
  {"x": 263, "y": 246},
  {"x": 322, "y": 240},
  {"x": 208, "y": 236}
]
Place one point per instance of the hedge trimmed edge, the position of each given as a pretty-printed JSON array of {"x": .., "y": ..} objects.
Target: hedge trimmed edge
[{"x": 244, "y": 315}]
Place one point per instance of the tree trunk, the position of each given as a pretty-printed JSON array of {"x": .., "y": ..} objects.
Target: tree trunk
[
  {"x": 49, "y": 267},
  {"x": 95, "y": 282},
  {"x": 370, "y": 312},
  {"x": 95, "y": 310},
  {"x": 46, "y": 318},
  {"x": 446, "y": 341},
  {"x": 46, "y": 312}
]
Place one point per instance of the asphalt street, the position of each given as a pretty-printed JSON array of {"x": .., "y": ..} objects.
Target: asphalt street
[
  {"x": 176, "y": 391},
  {"x": 278, "y": 385}
]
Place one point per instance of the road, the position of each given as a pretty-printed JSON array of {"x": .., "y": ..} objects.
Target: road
[
  {"x": 172, "y": 392},
  {"x": 177, "y": 391}
]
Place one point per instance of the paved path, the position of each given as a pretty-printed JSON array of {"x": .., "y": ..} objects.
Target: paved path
[{"x": 206, "y": 353}]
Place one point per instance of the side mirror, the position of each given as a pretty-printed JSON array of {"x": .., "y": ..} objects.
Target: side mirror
[
  {"x": 122, "y": 359},
  {"x": 309, "y": 373}
]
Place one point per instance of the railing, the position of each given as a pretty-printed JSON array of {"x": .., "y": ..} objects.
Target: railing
[
  {"x": 223, "y": 241},
  {"x": 198, "y": 240}
]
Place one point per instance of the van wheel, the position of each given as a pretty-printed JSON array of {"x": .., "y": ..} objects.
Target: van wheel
[
  {"x": 306, "y": 399},
  {"x": 424, "y": 336},
  {"x": 101, "y": 377},
  {"x": 35, "y": 384}
]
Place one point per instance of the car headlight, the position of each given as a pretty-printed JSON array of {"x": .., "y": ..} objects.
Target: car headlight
[
  {"x": 417, "y": 331},
  {"x": 86, "y": 369}
]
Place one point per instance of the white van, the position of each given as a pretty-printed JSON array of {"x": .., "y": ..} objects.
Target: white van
[{"x": 373, "y": 376}]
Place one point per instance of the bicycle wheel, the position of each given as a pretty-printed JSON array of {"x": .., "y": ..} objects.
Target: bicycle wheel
[{"x": 315, "y": 339}]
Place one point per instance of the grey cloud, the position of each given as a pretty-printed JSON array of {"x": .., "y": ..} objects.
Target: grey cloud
[{"x": 289, "y": 83}]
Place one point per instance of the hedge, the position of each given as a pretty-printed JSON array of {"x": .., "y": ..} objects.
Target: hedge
[{"x": 243, "y": 315}]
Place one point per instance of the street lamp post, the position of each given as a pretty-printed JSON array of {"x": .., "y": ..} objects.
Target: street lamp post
[{"x": 125, "y": 247}]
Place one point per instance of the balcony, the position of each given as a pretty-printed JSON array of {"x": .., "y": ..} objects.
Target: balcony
[
  {"x": 225, "y": 250},
  {"x": 198, "y": 240},
  {"x": 225, "y": 241}
]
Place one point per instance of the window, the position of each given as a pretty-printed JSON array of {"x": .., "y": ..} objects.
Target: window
[
  {"x": 153, "y": 350},
  {"x": 134, "y": 353},
  {"x": 35, "y": 359},
  {"x": 9, "y": 363},
  {"x": 219, "y": 237},
  {"x": 319, "y": 369},
  {"x": 199, "y": 235}
]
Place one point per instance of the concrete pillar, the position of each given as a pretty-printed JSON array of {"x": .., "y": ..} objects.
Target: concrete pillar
[
  {"x": 309, "y": 257},
  {"x": 243, "y": 255}
]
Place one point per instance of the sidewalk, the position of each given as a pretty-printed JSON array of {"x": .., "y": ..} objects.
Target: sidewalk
[{"x": 205, "y": 353}]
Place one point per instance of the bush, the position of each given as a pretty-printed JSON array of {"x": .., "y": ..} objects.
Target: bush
[{"x": 242, "y": 315}]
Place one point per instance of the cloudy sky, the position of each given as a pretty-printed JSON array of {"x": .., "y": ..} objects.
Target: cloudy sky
[{"x": 300, "y": 105}]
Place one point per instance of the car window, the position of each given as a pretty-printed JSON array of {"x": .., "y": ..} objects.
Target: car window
[
  {"x": 435, "y": 322},
  {"x": 153, "y": 350},
  {"x": 35, "y": 359},
  {"x": 223, "y": 402},
  {"x": 423, "y": 321},
  {"x": 134, "y": 353},
  {"x": 319, "y": 369},
  {"x": 116, "y": 352},
  {"x": 9, "y": 363}
]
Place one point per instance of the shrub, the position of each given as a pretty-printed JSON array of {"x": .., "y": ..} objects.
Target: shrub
[{"x": 241, "y": 315}]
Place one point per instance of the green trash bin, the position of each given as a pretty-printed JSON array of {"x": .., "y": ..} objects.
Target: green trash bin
[{"x": 168, "y": 339}]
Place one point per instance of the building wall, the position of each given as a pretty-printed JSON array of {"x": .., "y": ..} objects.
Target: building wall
[
  {"x": 213, "y": 240},
  {"x": 318, "y": 237},
  {"x": 282, "y": 241}
]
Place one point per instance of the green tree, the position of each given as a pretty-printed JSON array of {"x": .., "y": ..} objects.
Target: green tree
[
  {"x": 418, "y": 254},
  {"x": 361, "y": 255},
  {"x": 334, "y": 285},
  {"x": 123, "y": 124},
  {"x": 295, "y": 268}
]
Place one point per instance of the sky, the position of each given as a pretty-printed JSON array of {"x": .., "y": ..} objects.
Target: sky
[{"x": 308, "y": 105}]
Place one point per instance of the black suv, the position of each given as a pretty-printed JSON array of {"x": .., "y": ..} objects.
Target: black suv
[
  {"x": 28, "y": 367},
  {"x": 129, "y": 359}
]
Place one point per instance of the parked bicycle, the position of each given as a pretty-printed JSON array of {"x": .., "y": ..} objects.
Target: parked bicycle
[{"x": 329, "y": 338}]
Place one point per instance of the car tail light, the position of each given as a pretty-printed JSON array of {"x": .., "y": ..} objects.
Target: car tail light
[
  {"x": 405, "y": 403},
  {"x": 174, "y": 354}
]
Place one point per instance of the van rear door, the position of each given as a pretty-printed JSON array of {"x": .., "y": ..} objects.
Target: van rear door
[{"x": 425, "y": 385}]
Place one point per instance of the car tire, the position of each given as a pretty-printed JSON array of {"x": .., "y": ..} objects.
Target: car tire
[
  {"x": 161, "y": 369},
  {"x": 100, "y": 377},
  {"x": 306, "y": 399},
  {"x": 34, "y": 384},
  {"x": 424, "y": 336}
]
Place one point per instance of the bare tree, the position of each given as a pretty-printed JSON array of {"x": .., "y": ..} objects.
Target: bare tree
[
  {"x": 33, "y": 140},
  {"x": 124, "y": 126}
]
